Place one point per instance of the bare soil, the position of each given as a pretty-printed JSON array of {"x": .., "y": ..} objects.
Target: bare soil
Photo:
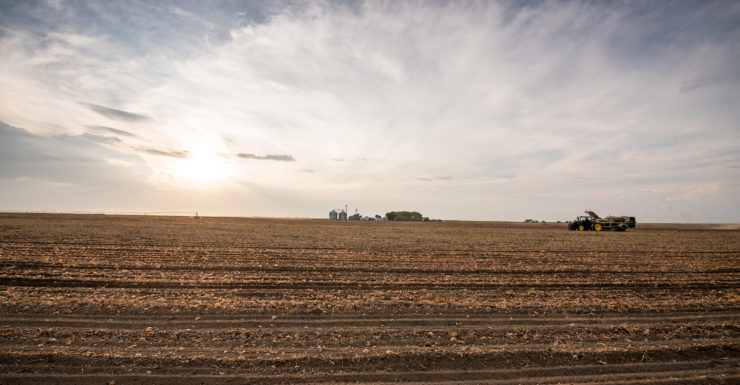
[{"x": 174, "y": 300}]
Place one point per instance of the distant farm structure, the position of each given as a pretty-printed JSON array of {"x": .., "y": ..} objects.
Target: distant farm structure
[
  {"x": 338, "y": 214},
  {"x": 412, "y": 216},
  {"x": 341, "y": 215}
]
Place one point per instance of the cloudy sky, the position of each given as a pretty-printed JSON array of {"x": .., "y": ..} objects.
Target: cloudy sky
[{"x": 460, "y": 110}]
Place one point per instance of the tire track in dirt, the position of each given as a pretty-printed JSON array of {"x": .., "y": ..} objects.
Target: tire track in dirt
[
  {"x": 721, "y": 369},
  {"x": 327, "y": 269},
  {"x": 334, "y": 320},
  {"x": 685, "y": 373},
  {"x": 291, "y": 252},
  {"x": 42, "y": 282}
]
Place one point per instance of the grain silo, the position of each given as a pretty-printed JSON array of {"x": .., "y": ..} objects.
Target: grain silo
[
  {"x": 333, "y": 215},
  {"x": 343, "y": 215}
]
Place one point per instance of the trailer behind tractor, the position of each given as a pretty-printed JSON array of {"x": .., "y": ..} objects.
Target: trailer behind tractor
[{"x": 593, "y": 222}]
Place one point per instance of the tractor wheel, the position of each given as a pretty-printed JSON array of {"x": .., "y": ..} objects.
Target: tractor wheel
[
  {"x": 597, "y": 226},
  {"x": 581, "y": 227}
]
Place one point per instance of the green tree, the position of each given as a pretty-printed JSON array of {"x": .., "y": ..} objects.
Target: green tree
[{"x": 404, "y": 216}]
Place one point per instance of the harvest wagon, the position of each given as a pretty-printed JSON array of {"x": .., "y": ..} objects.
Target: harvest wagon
[{"x": 596, "y": 223}]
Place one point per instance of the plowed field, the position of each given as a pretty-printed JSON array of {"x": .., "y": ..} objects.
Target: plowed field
[{"x": 173, "y": 300}]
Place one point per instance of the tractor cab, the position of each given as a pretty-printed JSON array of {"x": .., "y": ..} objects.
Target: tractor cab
[{"x": 581, "y": 223}]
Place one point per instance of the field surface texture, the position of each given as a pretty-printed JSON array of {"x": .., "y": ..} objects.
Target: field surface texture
[{"x": 96, "y": 299}]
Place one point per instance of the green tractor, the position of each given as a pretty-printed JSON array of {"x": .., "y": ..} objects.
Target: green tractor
[{"x": 593, "y": 222}]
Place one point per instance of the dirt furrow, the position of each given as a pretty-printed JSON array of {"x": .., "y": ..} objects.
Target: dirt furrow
[
  {"x": 158, "y": 372},
  {"x": 354, "y": 320},
  {"x": 377, "y": 268},
  {"x": 41, "y": 282}
]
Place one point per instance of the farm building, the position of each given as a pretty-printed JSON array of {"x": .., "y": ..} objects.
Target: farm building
[
  {"x": 341, "y": 215},
  {"x": 338, "y": 215}
]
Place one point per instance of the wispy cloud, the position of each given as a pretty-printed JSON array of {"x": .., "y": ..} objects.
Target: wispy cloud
[
  {"x": 62, "y": 159},
  {"x": 111, "y": 130},
  {"x": 438, "y": 178},
  {"x": 115, "y": 114},
  {"x": 283, "y": 158},
  {"x": 100, "y": 138},
  {"x": 172, "y": 154}
]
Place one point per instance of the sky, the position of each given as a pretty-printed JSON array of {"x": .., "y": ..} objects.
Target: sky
[{"x": 474, "y": 110}]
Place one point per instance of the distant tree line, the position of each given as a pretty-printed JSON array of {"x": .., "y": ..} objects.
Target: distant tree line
[{"x": 405, "y": 216}]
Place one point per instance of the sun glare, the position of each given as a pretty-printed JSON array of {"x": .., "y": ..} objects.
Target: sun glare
[{"x": 202, "y": 167}]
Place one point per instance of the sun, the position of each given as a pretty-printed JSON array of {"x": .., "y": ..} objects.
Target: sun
[{"x": 202, "y": 166}]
